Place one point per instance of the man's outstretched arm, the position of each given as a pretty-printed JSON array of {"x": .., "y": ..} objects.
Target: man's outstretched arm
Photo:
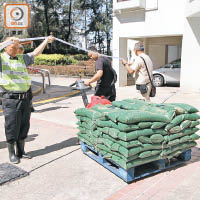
[{"x": 41, "y": 47}]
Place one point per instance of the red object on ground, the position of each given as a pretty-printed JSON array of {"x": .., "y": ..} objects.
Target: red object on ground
[{"x": 98, "y": 100}]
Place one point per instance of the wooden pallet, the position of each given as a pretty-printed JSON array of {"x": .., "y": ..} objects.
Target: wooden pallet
[{"x": 137, "y": 172}]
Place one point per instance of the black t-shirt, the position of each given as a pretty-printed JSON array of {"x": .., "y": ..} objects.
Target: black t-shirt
[{"x": 103, "y": 63}]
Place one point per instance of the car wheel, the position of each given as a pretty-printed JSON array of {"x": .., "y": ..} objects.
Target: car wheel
[{"x": 158, "y": 80}]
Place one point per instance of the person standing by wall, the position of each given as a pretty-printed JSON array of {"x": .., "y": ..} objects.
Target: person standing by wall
[
  {"x": 105, "y": 76},
  {"x": 143, "y": 83},
  {"x": 15, "y": 84}
]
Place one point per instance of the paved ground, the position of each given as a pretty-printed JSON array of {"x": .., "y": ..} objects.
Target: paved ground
[{"x": 60, "y": 171}]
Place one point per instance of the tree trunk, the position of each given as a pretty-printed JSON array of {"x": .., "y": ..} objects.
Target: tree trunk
[
  {"x": 46, "y": 10},
  {"x": 69, "y": 21},
  {"x": 108, "y": 43}
]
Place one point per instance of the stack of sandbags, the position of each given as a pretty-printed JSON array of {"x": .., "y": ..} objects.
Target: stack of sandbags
[{"x": 134, "y": 132}]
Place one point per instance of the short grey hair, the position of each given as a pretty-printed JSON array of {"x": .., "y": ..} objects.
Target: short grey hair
[
  {"x": 21, "y": 47},
  {"x": 139, "y": 46},
  {"x": 92, "y": 48}
]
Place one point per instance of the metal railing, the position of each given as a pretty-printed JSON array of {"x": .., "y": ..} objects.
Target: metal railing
[{"x": 43, "y": 73}]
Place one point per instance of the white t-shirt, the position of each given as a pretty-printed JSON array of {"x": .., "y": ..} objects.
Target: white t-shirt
[{"x": 141, "y": 75}]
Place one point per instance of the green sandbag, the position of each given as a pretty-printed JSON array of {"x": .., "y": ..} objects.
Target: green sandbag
[
  {"x": 177, "y": 120},
  {"x": 185, "y": 124},
  {"x": 117, "y": 159},
  {"x": 113, "y": 146},
  {"x": 191, "y": 117},
  {"x": 194, "y": 123},
  {"x": 85, "y": 139},
  {"x": 110, "y": 131},
  {"x": 146, "y": 154},
  {"x": 157, "y": 125},
  {"x": 106, "y": 155},
  {"x": 84, "y": 119},
  {"x": 113, "y": 132},
  {"x": 157, "y": 138},
  {"x": 173, "y": 142},
  {"x": 90, "y": 126},
  {"x": 103, "y": 124},
  {"x": 114, "y": 115},
  {"x": 137, "y": 101},
  {"x": 141, "y": 106},
  {"x": 92, "y": 114},
  {"x": 97, "y": 133},
  {"x": 131, "y": 117},
  {"x": 139, "y": 161},
  {"x": 81, "y": 128},
  {"x": 185, "y": 139},
  {"x": 144, "y": 125},
  {"x": 125, "y": 105},
  {"x": 145, "y": 140},
  {"x": 175, "y": 129},
  {"x": 169, "y": 106},
  {"x": 188, "y": 131},
  {"x": 101, "y": 147},
  {"x": 194, "y": 137},
  {"x": 96, "y": 141},
  {"x": 108, "y": 143},
  {"x": 136, "y": 150},
  {"x": 108, "y": 150},
  {"x": 177, "y": 147},
  {"x": 127, "y": 127},
  {"x": 135, "y": 134},
  {"x": 186, "y": 107},
  {"x": 93, "y": 140},
  {"x": 105, "y": 109},
  {"x": 129, "y": 144}
]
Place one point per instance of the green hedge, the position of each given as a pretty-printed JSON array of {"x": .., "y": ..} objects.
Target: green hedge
[{"x": 59, "y": 59}]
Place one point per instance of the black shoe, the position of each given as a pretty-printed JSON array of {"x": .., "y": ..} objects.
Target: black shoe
[
  {"x": 13, "y": 158},
  {"x": 20, "y": 150}
]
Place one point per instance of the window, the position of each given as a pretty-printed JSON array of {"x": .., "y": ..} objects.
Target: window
[
  {"x": 13, "y": 32},
  {"x": 20, "y": 32}
]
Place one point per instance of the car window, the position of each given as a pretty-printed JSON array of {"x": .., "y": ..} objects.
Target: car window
[
  {"x": 178, "y": 61},
  {"x": 176, "y": 65},
  {"x": 167, "y": 66}
]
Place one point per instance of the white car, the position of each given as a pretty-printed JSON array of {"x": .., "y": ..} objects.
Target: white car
[{"x": 168, "y": 74}]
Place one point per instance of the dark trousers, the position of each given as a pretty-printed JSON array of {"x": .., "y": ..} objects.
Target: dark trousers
[
  {"x": 17, "y": 117},
  {"x": 108, "y": 92}
]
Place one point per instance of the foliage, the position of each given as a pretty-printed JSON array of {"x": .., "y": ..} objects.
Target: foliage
[
  {"x": 81, "y": 57},
  {"x": 58, "y": 59},
  {"x": 81, "y": 22}
]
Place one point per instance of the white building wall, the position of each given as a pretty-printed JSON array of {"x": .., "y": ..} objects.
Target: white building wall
[
  {"x": 168, "y": 19},
  {"x": 190, "y": 72},
  {"x": 160, "y": 18}
]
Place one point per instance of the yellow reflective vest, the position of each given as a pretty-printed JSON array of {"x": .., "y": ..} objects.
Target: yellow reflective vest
[{"x": 14, "y": 76}]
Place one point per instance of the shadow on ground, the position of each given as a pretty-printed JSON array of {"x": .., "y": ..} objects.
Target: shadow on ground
[
  {"x": 29, "y": 139},
  {"x": 49, "y": 109},
  {"x": 195, "y": 155},
  {"x": 55, "y": 147}
]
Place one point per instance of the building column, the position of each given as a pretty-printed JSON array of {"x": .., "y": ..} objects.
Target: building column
[
  {"x": 146, "y": 48},
  {"x": 120, "y": 50},
  {"x": 122, "y": 54},
  {"x": 190, "y": 80}
]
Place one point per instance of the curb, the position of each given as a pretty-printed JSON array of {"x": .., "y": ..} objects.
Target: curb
[{"x": 38, "y": 90}]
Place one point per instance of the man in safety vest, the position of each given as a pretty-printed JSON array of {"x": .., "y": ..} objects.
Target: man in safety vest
[{"x": 15, "y": 84}]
